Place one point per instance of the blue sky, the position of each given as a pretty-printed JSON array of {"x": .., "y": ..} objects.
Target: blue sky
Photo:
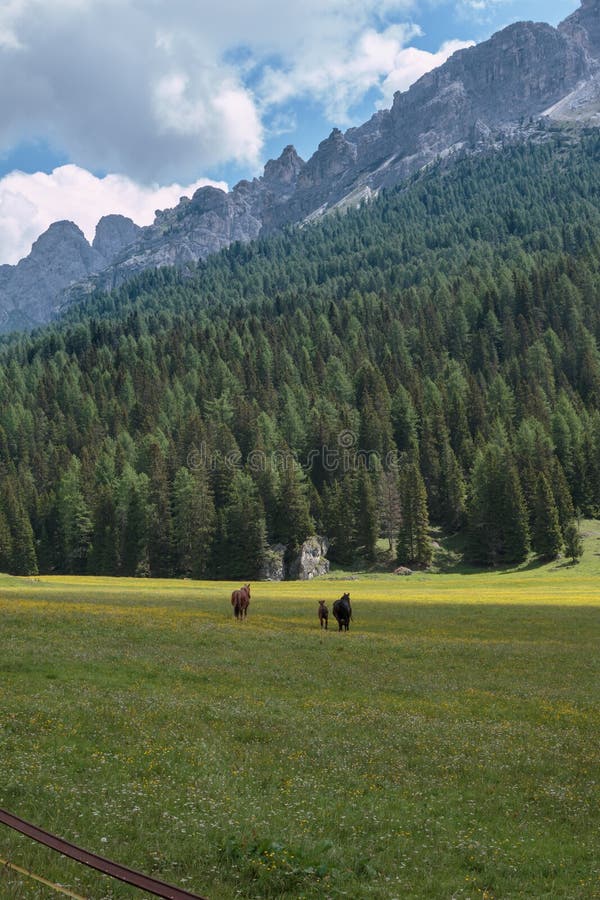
[{"x": 121, "y": 106}]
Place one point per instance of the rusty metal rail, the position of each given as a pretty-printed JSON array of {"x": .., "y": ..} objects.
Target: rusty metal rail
[{"x": 93, "y": 861}]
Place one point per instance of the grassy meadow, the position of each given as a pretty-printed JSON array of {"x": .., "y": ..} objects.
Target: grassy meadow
[{"x": 446, "y": 747}]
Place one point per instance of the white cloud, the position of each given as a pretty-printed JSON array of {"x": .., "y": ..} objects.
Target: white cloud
[
  {"x": 340, "y": 81},
  {"x": 123, "y": 86},
  {"x": 30, "y": 203},
  {"x": 168, "y": 89}
]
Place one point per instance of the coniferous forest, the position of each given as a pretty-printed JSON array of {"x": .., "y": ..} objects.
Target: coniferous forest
[{"x": 431, "y": 358}]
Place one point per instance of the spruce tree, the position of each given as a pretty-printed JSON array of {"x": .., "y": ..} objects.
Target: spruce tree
[
  {"x": 546, "y": 537},
  {"x": 404, "y": 421},
  {"x": 514, "y": 516},
  {"x": 483, "y": 542},
  {"x": 367, "y": 517},
  {"x": 562, "y": 496},
  {"x": 339, "y": 520},
  {"x": 389, "y": 506},
  {"x": 573, "y": 542},
  {"x": 452, "y": 491},
  {"x": 103, "y": 559},
  {"x": 193, "y": 522},
  {"x": 293, "y": 522},
  {"x": 243, "y": 543},
  {"x": 133, "y": 519},
  {"x": 160, "y": 535},
  {"x": 413, "y": 545},
  {"x": 6, "y": 547},
  {"x": 497, "y": 515},
  {"x": 24, "y": 559}
]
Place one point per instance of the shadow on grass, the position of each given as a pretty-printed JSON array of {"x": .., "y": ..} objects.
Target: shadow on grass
[{"x": 531, "y": 565}]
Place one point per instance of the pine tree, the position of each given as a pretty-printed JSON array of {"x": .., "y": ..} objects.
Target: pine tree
[
  {"x": 452, "y": 491},
  {"x": 546, "y": 537},
  {"x": 161, "y": 525},
  {"x": 389, "y": 506},
  {"x": 339, "y": 520},
  {"x": 103, "y": 559},
  {"x": 497, "y": 515},
  {"x": 24, "y": 559},
  {"x": 243, "y": 543},
  {"x": 573, "y": 542},
  {"x": 75, "y": 525},
  {"x": 194, "y": 522},
  {"x": 133, "y": 517},
  {"x": 292, "y": 521},
  {"x": 6, "y": 546},
  {"x": 413, "y": 544},
  {"x": 514, "y": 517},
  {"x": 367, "y": 518},
  {"x": 562, "y": 496},
  {"x": 404, "y": 422}
]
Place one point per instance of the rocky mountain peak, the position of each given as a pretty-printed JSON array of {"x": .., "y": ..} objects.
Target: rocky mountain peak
[
  {"x": 334, "y": 156},
  {"x": 59, "y": 257},
  {"x": 113, "y": 234},
  {"x": 63, "y": 233},
  {"x": 285, "y": 169},
  {"x": 208, "y": 199}
]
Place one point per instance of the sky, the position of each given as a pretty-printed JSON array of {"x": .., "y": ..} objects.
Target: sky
[{"x": 124, "y": 106}]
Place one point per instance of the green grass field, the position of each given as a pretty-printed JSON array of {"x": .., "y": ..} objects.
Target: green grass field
[{"x": 447, "y": 747}]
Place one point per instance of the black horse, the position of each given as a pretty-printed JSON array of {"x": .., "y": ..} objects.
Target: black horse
[{"x": 342, "y": 611}]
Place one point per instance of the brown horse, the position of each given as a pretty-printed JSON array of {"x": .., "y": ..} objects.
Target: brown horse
[
  {"x": 240, "y": 600},
  {"x": 342, "y": 612}
]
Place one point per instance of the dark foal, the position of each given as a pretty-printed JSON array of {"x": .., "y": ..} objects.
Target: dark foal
[{"x": 323, "y": 614}]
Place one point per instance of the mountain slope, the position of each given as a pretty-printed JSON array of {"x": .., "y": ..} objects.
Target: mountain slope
[{"x": 477, "y": 96}]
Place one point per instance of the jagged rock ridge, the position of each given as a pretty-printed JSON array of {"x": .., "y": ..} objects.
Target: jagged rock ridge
[{"x": 526, "y": 70}]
